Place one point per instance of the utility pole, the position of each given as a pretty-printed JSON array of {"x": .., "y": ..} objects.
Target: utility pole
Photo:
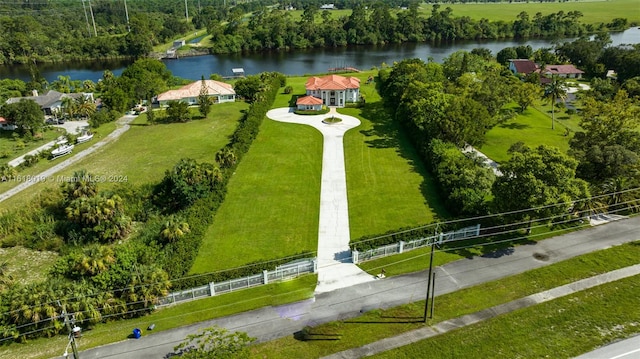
[
  {"x": 95, "y": 32},
  {"x": 86, "y": 18},
  {"x": 72, "y": 332},
  {"x": 126, "y": 12},
  {"x": 426, "y": 304}
]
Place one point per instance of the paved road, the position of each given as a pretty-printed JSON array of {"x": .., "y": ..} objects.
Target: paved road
[
  {"x": 275, "y": 322},
  {"x": 48, "y": 175},
  {"x": 624, "y": 349}
]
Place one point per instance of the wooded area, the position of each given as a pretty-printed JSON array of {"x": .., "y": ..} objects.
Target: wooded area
[{"x": 69, "y": 30}]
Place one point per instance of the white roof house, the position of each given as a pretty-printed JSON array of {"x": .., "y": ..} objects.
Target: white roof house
[{"x": 220, "y": 91}]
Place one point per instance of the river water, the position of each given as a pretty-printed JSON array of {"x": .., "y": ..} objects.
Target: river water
[{"x": 298, "y": 62}]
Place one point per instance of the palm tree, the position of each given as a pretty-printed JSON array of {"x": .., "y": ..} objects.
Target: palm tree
[
  {"x": 83, "y": 185},
  {"x": 174, "y": 229},
  {"x": 555, "y": 90},
  {"x": 622, "y": 194},
  {"x": 95, "y": 260},
  {"x": 85, "y": 107},
  {"x": 70, "y": 106}
]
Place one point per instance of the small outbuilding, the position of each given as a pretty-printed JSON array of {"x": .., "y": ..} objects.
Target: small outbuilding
[{"x": 309, "y": 103}]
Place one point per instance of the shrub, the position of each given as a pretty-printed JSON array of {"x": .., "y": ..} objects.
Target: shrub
[{"x": 288, "y": 90}]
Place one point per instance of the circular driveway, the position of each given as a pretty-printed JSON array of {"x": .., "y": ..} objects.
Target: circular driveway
[{"x": 286, "y": 114}]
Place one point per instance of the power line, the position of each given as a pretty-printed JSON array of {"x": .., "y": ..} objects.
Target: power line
[{"x": 387, "y": 264}]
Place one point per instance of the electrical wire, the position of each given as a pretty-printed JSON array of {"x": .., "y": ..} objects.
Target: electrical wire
[{"x": 386, "y": 265}]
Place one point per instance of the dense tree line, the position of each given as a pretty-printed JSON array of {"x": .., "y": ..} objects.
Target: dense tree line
[
  {"x": 30, "y": 34},
  {"x": 443, "y": 107}
]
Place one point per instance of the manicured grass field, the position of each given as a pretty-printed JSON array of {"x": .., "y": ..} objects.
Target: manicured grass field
[
  {"x": 562, "y": 328},
  {"x": 271, "y": 208},
  {"x": 272, "y": 202},
  {"x": 169, "y": 318},
  {"x": 145, "y": 152},
  {"x": 593, "y": 11},
  {"x": 531, "y": 127},
  {"x": 379, "y": 324},
  {"x": 388, "y": 186}
]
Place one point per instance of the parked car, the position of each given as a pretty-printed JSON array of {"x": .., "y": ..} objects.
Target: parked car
[{"x": 54, "y": 121}]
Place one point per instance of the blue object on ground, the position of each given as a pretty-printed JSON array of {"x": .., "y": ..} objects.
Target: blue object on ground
[{"x": 137, "y": 333}]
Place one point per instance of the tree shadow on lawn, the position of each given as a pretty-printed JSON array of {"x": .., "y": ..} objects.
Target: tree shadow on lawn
[
  {"x": 514, "y": 126},
  {"x": 388, "y": 320},
  {"x": 383, "y": 128},
  {"x": 390, "y": 135}
]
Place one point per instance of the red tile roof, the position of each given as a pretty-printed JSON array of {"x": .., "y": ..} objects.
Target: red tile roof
[
  {"x": 308, "y": 100},
  {"x": 524, "y": 66},
  {"x": 332, "y": 82},
  {"x": 560, "y": 70},
  {"x": 3, "y": 120}
]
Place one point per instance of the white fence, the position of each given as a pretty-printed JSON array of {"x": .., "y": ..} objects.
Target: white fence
[
  {"x": 403, "y": 246},
  {"x": 285, "y": 271}
]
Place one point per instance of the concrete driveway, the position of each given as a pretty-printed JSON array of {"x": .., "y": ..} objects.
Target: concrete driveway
[
  {"x": 335, "y": 269},
  {"x": 73, "y": 127}
]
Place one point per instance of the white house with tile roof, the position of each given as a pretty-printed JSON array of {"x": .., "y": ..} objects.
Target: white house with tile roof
[
  {"x": 334, "y": 90},
  {"x": 219, "y": 91}
]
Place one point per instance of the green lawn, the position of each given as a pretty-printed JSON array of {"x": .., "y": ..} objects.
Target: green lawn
[
  {"x": 170, "y": 317},
  {"x": 532, "y": 127},
  {"x": 388, "y": 187},
  {"x": 379, "y": 324},
  {"x": 14, "y": 147},
  {"x": 272, "y": 202},
  {"x": 562, "y": 328},
  {"x": 44, "y": 164},
  {"x": 25, "y": 265},
  {"x": 145, "y": 152},
  {"x": 280, "y": 179},
  {"x": 594, "y": 11}
]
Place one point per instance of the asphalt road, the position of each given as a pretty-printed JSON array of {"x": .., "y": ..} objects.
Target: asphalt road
[
  {"x": 275, "y": 322},
  {"x": 624, "y": 349}
]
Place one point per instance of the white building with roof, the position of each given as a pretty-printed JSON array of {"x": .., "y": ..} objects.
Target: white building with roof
[{"x": 219, "y": 91}]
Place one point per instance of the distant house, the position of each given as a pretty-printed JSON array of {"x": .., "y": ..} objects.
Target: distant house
[
  {"x": 309, "y": 103},
  {"x": 219, "y": 91},
  {"x": 179, "y": 43},
  {"x": 567, "y": 71},
  {"x": 327, "y": 7},
  {"x": 51, "y": 102},
  {"x": 522, "y": 66},
  {"x": 5, "y": 125},
  {"x": 334, "y": 90},
  {"x": 526, "y": 67}
]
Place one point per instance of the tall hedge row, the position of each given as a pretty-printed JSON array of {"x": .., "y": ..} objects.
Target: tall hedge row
[{"x": 180, "y": 255}]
